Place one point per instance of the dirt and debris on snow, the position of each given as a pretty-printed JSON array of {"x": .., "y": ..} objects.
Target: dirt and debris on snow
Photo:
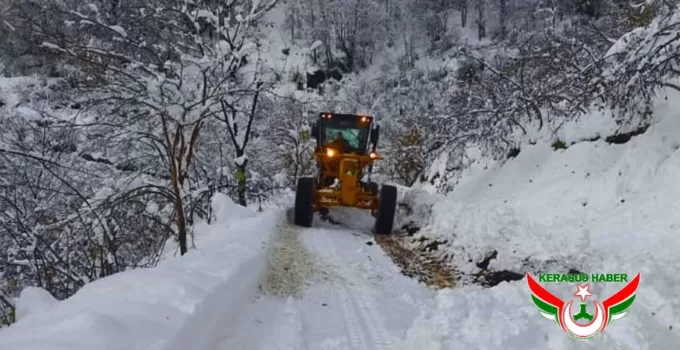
[
  {"x": 419, "y": 264},
  {"x": 420, "y": 259},
  {"x": 290, "y": 266}
]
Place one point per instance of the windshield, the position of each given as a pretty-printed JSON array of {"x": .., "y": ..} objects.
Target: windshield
[
  {"x": 349, "y": 133},
  {"x": 352, "y": 136}
]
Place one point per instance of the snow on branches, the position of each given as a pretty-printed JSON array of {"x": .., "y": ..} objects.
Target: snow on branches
[
  {"x": 641, "y": 63},
  {"x": 172, "y": 65}
]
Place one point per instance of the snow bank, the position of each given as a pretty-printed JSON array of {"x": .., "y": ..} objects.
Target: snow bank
[
  {"x": 415, "y": 207},
  {"x": 34, "y": 300},
  {"x": 594, "y": 207},
  {"x": 592, "y": 198},
  {"x": 221, "y": 308},
  {"x": 140, "y": 308},
  {"x": 226, "y": 211},
  {"x": 504, "y": 318}
]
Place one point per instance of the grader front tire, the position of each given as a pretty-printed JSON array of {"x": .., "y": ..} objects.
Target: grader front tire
[
  {"x": 304, "y": 202},
  {"x": 386, "y": 210}
]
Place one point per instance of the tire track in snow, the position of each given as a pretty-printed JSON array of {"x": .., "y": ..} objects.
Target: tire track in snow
[
  {"x": 365, "y": 306},
  {"x": 378, "y": 332},
  {"x": 355, "y": 336},
  {"x": 354, "y": 333}
]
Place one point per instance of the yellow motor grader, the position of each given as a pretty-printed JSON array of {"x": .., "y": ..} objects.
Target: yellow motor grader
[{"x": 345, "y": 151}]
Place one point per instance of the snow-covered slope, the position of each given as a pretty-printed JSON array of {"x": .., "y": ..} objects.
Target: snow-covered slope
[
  {"x": 594, "y": 207},
  {"x": 142, "y": 309}
]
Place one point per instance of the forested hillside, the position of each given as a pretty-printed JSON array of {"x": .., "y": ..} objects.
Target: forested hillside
[{"x": 120, "y": 119}]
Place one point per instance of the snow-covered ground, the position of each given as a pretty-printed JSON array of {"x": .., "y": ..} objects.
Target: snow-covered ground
[
  {"x": 142, "y": 309},
  {"x": 594, "y": 207},
  {"x": 209, "y": 299},
  {"x": 362, "y": 301}
]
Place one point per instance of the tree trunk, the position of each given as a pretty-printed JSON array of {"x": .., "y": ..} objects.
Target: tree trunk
[
  {"x": 481, "y": 27},
  {"x": 233, "y": 130},
  {"x": 463, "y": 13},
  {"x": 329, "y": 55},
  {"x": 503, "y": 18},
  {"x": 241, "y": 181},
  {"x": 181, "y": 220},
  {"x": 180, "y": 155}
]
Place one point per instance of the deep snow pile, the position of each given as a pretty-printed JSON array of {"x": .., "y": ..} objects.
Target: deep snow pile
[
  {"x": 139, "y": 309},
  {"x": 594, "y": 207}
]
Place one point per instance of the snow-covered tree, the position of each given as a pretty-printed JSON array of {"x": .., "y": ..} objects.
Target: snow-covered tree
[
  {"x": 350, "y": 30},
  {"x": 643, "y": 61},
  {"x": 158, "y": 70}
]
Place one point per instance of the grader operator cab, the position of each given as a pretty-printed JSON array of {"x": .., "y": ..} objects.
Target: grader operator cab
[{"x": 345, "y": 151}]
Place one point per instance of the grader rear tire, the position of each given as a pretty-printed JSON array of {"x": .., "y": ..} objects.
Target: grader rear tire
[
  {"x": 304, "y": 202},
  {"x": 386, "y": 210}
]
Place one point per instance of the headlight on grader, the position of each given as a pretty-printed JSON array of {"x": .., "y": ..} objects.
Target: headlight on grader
[
  {"x": 373, "y": 155},
  {"x": 330, "y": 152}
]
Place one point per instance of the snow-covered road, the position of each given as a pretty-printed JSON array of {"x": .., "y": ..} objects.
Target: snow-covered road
[
  {"x": 363, "y": 303},
  {"x": 354, "y": 298}
]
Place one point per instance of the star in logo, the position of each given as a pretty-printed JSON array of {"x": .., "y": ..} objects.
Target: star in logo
[{"x": 582, "y": 292}]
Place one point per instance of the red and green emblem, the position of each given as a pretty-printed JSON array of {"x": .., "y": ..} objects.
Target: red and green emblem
[{"x": 613, "y": 308}]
